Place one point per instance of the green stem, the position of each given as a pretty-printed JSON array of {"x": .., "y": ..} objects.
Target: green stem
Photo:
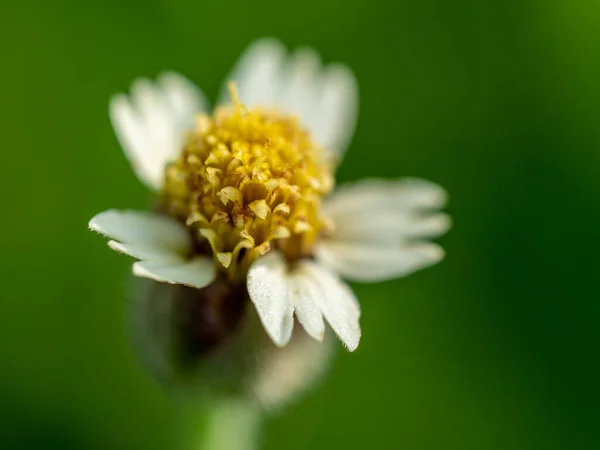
[{"x": 233, "y": 424}]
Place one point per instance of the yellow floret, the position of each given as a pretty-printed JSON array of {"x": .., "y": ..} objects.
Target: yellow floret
[{"x": 248, "y": 181}]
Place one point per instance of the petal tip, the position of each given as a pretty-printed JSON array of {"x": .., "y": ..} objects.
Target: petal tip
[
  {"x": 352, "y": 344},
  {"x": 281, "y": 342},
  {"x": 140, "y": 271},
  {"x": 436, "y": 253},
  {"x": 117, "y": 103},
  {"x": 116, "y": 246},
  {"x": 96, "y": 222},
  {"x": 267, "y": 44},
  {"x": 444, "y": 223}
]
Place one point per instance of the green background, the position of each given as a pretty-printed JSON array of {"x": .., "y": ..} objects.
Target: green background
[{"x": 498, "y": 101}]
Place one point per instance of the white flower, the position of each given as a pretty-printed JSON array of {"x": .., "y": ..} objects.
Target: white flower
[{"x": 255, "y": 209}]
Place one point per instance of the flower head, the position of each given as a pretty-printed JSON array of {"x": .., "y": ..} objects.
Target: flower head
[
  {"x": 248, "y": 181},
  {"x": 246, "y": 194}
]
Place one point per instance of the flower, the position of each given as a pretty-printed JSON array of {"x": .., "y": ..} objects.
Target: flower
[{"x": 247, "y": 194}]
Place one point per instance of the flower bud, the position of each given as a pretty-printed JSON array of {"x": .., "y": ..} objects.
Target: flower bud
[{"x": 209, "y": 342}]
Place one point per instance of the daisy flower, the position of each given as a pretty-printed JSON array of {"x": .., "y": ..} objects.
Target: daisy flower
[{"x": 246, "y": 194}]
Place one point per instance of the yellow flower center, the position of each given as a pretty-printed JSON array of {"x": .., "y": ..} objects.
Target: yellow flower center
[{"x": 248, "y": 181}]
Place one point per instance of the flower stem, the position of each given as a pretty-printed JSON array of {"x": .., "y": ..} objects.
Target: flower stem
[{"x": 233, "y": 424}]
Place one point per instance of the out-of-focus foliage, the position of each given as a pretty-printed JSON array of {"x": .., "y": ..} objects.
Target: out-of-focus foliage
[{"x": 496, "y": 348}]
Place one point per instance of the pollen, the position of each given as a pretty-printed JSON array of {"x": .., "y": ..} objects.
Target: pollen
[{"x": 248, "y": 181}]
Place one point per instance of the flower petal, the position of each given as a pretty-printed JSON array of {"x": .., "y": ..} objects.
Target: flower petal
[
  {"x": 309, "y": 289},
  {"x": 380, "y": 227},
  {"x": 334, "y": 116},
  {"x": 370, "y": 262},
  {"x": 303, "y": 296},
  {"x": 150, "y": 231},
  {"x": 301, "y": 80},
  {"x": 257, "y": 74},
  {"x": 198, "y": 272},
  {"x": 150, "y": 123},
  {"x": 146, "y": 252},
  {"x": 389, "y": 226},
  {"x": 268, "y": 289},
  {"x": 159, "y": 241},
  {"x": 325, "y": 99},
  {"x": 185, "y": 98},
  {"x": 336, "y": 301},
  {"x": 376, "y": 195}
]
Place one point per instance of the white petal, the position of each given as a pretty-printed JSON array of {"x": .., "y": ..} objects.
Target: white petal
[
  {"x": 303, "y": 295},
  {"x": 334, "y": 116},
  {"x": 153, "y": 111},
  {"x": 268, "y": 289},
  {"x": 198, "y": 272},
  {"x": 135, "y": 139},
  {"x": 369, "y": 262},
  {"x": 257, "y": 74},
  {"x": 337, "y": 302},
  {"x": 376, "y": 195},
  {"x": 301, "y": 83},
  {"x": 324, "y": 99},
  {"x": 146, "y": 252},
  {"x": 309, "y": 289},
  {"x": 151, "y": 231},
  {"x": 389, "y": 226},
  {"x": 380, "y": 227},
  {"x": 185, "y": 98},
  {"x": 150, "y": 124},
  {"x": 160, "y": 242}
]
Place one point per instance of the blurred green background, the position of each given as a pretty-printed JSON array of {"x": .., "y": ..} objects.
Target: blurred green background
[{"x": 498, "y": 101}]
